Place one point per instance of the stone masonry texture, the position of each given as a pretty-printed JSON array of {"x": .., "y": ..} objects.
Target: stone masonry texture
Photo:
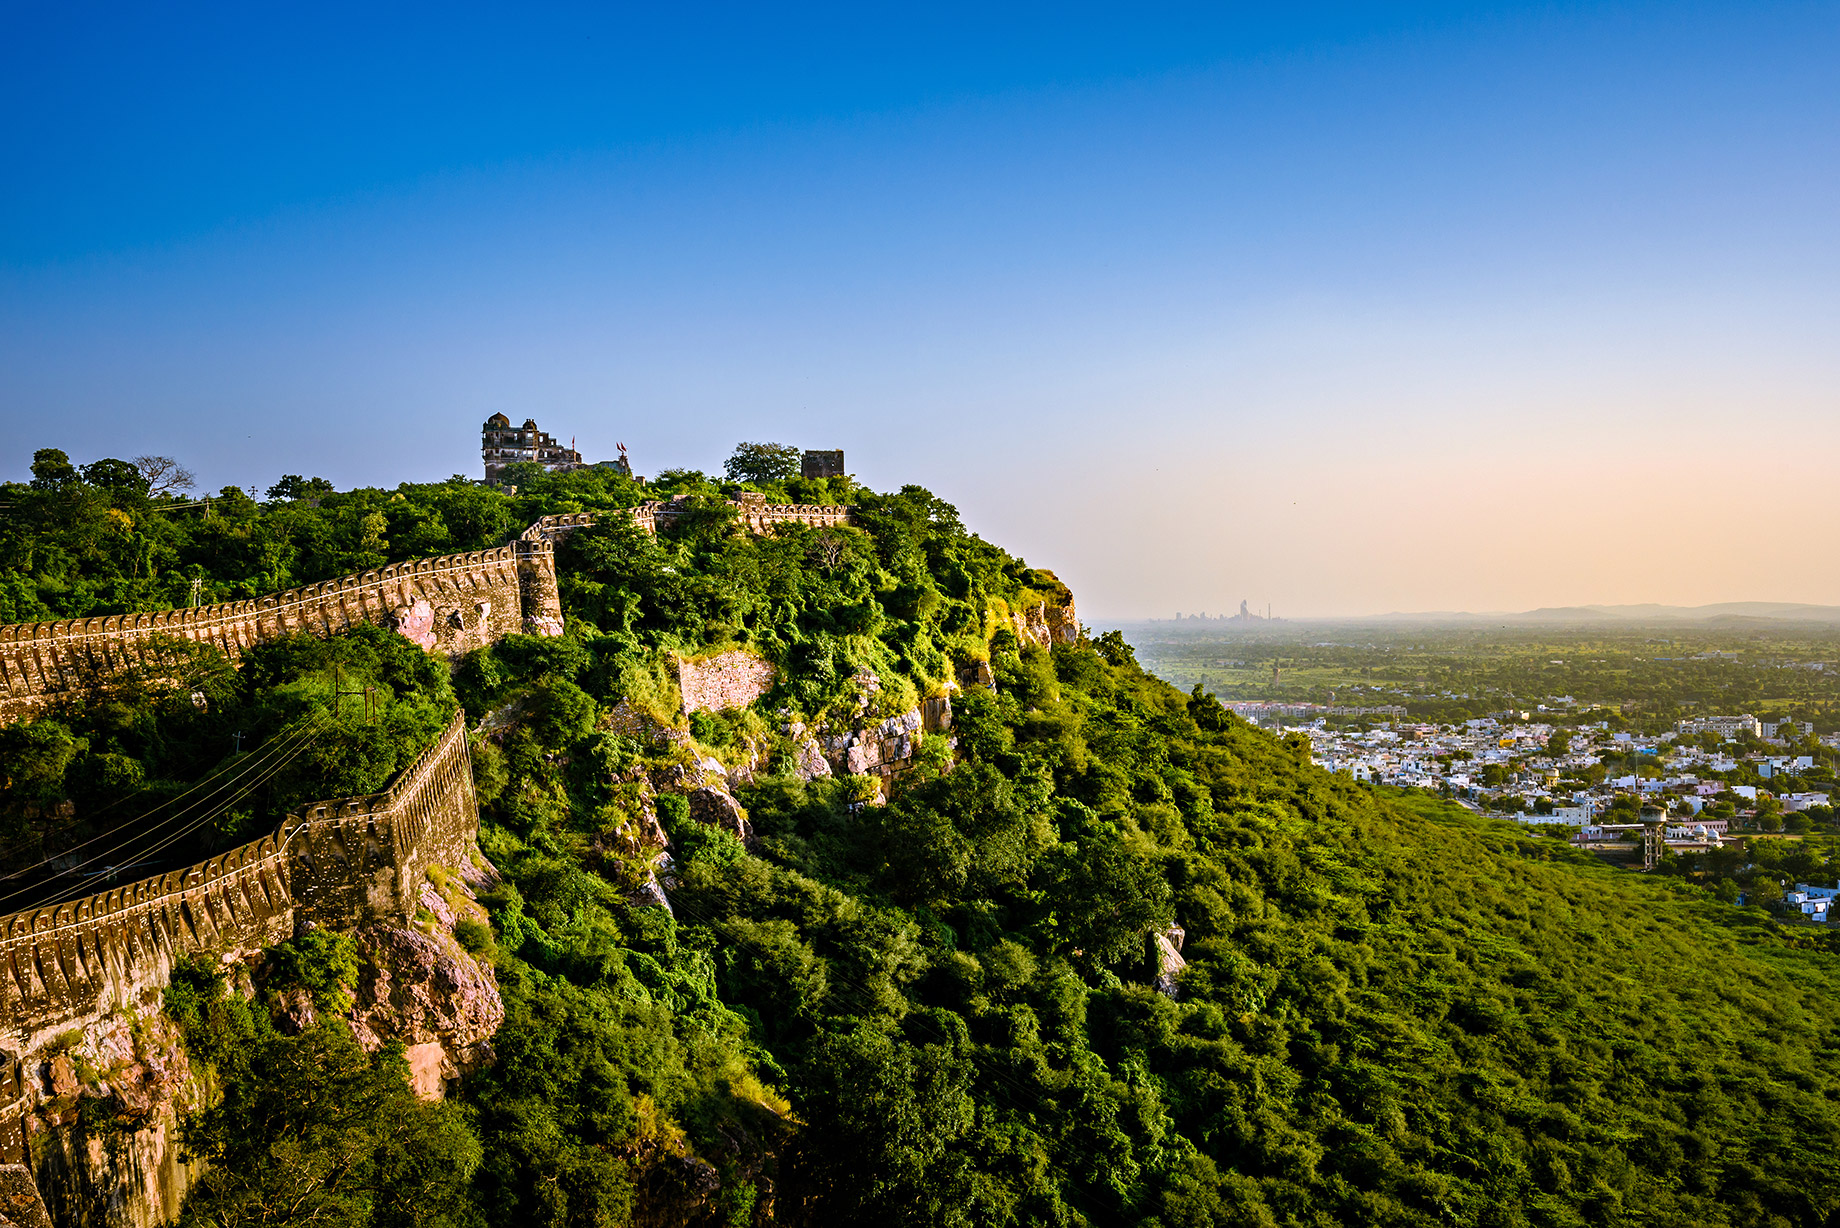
[
  {"x": 727, "y": 680},
  {"x": 452, "y": 604}
]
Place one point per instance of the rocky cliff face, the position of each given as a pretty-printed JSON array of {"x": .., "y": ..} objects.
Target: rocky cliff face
[
  {"x": 101, "y": 1119},
  {"x": 1050, "y": 621},
  {"x": 421, "y": 988},
  {"x": 853, "y": 744}
]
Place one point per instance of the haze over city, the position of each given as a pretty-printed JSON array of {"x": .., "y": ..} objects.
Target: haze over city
[{"x": 1352, "y": 310}]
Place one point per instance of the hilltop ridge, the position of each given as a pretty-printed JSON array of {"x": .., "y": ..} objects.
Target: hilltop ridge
[{"x": 833, "y": 874}]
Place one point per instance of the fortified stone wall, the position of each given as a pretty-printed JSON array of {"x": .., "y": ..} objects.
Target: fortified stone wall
[
  {"x": 335, "y": 863},
  {"x": 364, "y": 858},
  {"x": 755, "y": 514},
  {"x": 759, "y": 516},
  {"x": 453, "y": 603}
]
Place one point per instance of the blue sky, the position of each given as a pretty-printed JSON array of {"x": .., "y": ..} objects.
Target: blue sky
[{"x": 1345, "y": 308}]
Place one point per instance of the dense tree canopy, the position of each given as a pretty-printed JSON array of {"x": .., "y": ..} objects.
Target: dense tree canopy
[{"x": 762, "y": 462}]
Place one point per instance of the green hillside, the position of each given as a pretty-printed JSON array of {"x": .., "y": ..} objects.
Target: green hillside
[{"x": 940, "y": 1010}]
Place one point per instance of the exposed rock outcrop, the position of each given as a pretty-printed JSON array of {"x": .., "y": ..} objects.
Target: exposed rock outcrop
[
  {"x": 705, "y": 785},
  {"x": 100, "y": 1120},
  {"x": 1166, "y": 951},
  {"x": 884, "y": 748},
  {"x": 808, "y": 761},
  {"x": 883, "y": 745},
  {"x": 1050, "y": 621},
  {"x": 424, "y": 990},
  {"x": 717, "y": 807}
]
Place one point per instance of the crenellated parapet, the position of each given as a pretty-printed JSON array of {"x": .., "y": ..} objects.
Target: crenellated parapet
[
  {"x": 365, "y": 857},
  {"x": 753, "y": 513},
  {"x": 335, "y": 863},
  {"x": 555, "y": 529},
  {"x": 451, "y": 604},
  {"x": 756, "y": 515}
]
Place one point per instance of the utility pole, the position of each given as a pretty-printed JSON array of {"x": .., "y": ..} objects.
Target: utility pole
[
  {"x": 238, "y": 735},
  {"x": 339, "y": 692},
  {"x": 197, "y": 582}
]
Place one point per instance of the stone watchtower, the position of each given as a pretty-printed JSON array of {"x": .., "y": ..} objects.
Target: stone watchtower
[
  {"x": 502, "y": 444},
  {"x": 821, "y": 464}
]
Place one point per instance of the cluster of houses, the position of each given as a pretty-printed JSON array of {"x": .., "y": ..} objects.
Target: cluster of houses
[
  {"x": 1506, "y": 764},
  {"x": 1814, "y": 903}
]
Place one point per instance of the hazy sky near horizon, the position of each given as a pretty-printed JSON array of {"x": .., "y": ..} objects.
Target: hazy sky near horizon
[{"x": 1344, "y": 308}]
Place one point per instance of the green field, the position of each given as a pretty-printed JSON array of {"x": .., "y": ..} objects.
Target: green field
[{"x": 1653, "y": 676}]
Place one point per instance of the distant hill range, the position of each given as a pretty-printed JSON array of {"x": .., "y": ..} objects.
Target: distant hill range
[
  {"x": 1725, "y": 613},
  {"x": 1650, "y": 612}
]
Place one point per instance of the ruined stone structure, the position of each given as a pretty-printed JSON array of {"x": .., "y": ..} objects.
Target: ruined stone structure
[
  {"x": 337, "y": 864},
  {"x": 756, "y": 515},
  {"x": 502, "y": 444},
  {"x": 726, "y": 680},
  {"x": 759, "y": 516},
  {"x": 821, "y": 464}
]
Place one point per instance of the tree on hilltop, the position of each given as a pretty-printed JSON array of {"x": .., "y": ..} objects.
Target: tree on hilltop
[
  {"x": 117, "y": 476},
  {"x": 762, "y": 462},
  {"x": 293, "y": 486},
  {"x": 52, "y": 470},
  {"x": 163, "y": 474}
]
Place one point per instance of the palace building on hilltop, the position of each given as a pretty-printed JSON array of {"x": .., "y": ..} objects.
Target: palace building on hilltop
[{"x": 503, "y": 444}]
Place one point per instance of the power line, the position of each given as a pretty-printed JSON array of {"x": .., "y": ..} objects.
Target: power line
[
  {"x": 258, "y": 766},
  {"x": 302, "y": 743},
  {"x": 185, "y": 831},
  {"x": 233, "y": 766},
  {"x": 237, "y": 767},
  {"x": 171, "y": 839}
]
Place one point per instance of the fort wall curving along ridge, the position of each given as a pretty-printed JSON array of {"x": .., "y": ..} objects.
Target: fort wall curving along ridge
[{"x": 451, "y": 604}]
